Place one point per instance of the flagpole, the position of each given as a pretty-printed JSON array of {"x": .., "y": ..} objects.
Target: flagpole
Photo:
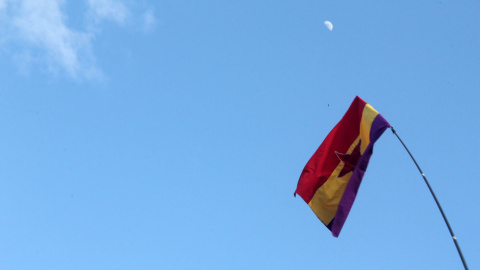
[{"x": 435, "y": 197}]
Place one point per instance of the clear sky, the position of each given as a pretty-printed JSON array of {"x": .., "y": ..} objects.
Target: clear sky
[{"x": 171, "y": 134}]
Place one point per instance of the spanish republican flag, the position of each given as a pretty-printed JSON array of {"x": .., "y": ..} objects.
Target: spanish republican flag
[{"x": 330, "y": 180}]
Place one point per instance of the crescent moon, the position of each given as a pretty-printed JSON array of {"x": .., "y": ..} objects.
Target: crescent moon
[{"x": 329, "y": 25}]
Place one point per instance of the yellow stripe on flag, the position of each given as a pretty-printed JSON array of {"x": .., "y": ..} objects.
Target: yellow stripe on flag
[{"x": 368, "y": 115}]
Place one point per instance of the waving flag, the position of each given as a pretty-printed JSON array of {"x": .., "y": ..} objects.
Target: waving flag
[{"x": 330, "y": 180}]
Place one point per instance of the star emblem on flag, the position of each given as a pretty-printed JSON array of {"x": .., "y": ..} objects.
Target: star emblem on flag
[{"x": 350, "y": 160}]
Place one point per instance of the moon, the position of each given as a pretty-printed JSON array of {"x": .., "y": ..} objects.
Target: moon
[{"x": 329, "y": 25}]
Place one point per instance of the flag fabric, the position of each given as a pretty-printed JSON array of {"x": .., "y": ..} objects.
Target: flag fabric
[{"x": 330, "y": 180}]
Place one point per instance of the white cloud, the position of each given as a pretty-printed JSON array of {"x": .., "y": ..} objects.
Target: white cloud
[
  {"x": 41, "y": 24},
  {"x": 109, "y": 9},
  {"x": 35, "y": 32}
]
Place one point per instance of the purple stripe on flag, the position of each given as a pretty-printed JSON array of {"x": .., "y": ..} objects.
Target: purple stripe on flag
[{"x": 378, "y": 127}]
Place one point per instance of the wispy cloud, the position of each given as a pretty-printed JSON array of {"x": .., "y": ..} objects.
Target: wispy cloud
[
  {"x": 149, "y": 20},
  {"x": 109, "y": 9},
  {"x": 39, "y": 33},
  {"x": 41, "y": 24},
  {"x": 3, "y": 4}
]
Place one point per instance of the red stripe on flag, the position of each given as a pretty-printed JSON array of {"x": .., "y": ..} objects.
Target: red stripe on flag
[{"x": 324, "y": 161}]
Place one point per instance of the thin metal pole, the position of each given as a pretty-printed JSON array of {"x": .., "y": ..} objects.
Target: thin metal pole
[{"x": 435, "y": 197}]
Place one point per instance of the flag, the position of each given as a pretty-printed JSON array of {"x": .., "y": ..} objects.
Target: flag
[{"x": 330, "y": 180}]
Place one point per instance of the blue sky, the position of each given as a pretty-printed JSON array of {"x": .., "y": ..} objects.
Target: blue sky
[{"x": 171, "y": 134}]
